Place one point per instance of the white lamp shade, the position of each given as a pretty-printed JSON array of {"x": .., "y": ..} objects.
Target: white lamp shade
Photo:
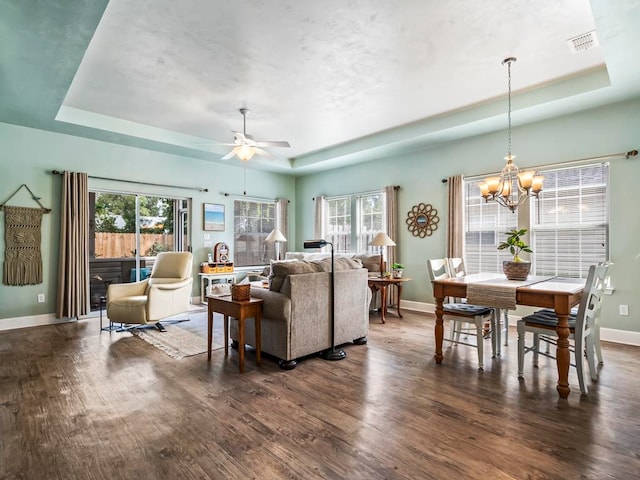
[
  {"x": 275, "y": 236},
  {"x": 382, "y": 240}
]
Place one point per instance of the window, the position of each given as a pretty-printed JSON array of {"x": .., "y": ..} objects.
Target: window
[
  {"x": 568, "y": 225},
  {"x": 570, "y": 221},
  {"x": 127, "y": 231},
  {"x": 485, "y": 224},
  {"x": 252, "y": 221},
  {"x": 353, "y": 220}
]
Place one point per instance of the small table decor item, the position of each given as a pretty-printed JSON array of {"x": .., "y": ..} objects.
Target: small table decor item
[
  {"x": 396, "y": 270},
  {"x": 240, "y": 292},
  {"x": 516, "y": 269},
  {"x": 422, "y": 220}
]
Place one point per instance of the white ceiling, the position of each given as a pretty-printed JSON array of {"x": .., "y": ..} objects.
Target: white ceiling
[{"x": 340, "y": 80}]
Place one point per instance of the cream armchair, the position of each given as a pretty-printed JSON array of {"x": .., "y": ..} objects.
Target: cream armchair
[{"x": 165, "y": 293}]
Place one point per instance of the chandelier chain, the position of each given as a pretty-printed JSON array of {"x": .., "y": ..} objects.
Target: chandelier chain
[{"x": 509, "y": 106}]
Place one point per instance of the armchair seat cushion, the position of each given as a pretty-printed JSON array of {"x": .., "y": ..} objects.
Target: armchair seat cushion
[{"x": 129, "y": 309}]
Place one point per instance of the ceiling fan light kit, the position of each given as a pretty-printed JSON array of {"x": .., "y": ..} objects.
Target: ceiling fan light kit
[{"x": 245, "y": 146}]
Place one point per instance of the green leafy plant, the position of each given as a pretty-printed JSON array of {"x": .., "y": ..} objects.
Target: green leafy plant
[
  {"x": 515, "y": 244},
  {"x": 397, "y": 266}
]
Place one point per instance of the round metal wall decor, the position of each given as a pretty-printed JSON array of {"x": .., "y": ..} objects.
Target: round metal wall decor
[{"x": 422, "y": 220}]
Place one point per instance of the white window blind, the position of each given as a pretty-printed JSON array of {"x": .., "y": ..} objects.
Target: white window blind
[
  {"x": 252, "y": 222},
  {"x": 570, "y": 221},
  {"x": 485, "y": 227},
  {"x": 371, "y": 219},
  {"x": 339, "y": 223},
  {"x": 353, "y": 220}
]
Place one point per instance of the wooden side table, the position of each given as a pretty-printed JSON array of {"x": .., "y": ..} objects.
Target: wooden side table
[
  {"x": 381, "y": 283},
  {"x": 240, "y": 310}
]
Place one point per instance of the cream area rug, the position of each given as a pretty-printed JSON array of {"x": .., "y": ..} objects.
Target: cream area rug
[{"x": 184, "y": 339}]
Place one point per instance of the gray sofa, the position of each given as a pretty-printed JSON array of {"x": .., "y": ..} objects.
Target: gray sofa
[{"x": 296, "y": 310}]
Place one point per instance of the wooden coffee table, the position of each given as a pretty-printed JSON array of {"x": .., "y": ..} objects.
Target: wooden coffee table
[
  {"x": 381, "y": 283},
  {"x": 240, "y": 310}
]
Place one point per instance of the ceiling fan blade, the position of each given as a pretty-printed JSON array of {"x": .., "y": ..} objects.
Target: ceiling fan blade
[
  {"x": 263, "y": 153},
  {"x": 239, "y": 137},
  {"x": 229, "y": 155},
  {"x": 273, "y": 143}
]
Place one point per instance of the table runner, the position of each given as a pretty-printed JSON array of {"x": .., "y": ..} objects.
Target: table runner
[{"x": 498, "y": 292}]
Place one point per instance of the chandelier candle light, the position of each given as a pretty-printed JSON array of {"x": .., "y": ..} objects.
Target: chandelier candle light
[{"x": 512, "y": 187}]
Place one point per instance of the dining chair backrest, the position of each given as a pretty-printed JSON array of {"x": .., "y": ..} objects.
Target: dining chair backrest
[
  {"x": 591, "y": 301},
  {"x": 456, "y": 267},
  {"x": 438, "y": 268}
]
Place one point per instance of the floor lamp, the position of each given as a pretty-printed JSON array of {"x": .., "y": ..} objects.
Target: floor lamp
[
  {"x": 332, "y": 353},
  {"x": 276, "y": 237},
  {"x": 382, "y": 240}
]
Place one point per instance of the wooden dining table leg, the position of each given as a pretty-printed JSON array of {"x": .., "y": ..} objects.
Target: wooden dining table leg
[
  {"x": 439, "y": 329},
  {"x": 563, "y": 355}
]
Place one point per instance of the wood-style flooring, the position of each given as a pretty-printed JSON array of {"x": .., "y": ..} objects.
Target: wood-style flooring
[{"x": 79, "y": 404}]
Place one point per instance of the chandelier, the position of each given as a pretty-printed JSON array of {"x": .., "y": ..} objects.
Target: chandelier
[{"x": 512, "y": 187}]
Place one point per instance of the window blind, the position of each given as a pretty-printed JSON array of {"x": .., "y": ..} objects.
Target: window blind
[{"x": 570, "y": 221}]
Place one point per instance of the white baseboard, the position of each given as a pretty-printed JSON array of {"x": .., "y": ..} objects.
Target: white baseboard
[
  {"x": 50, "y": 318},
  {"x": 31, "y": 321},
  {"x": 624, "y": 337}
]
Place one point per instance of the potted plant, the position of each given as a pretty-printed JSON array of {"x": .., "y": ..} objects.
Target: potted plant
[
  {"x": 397, "y": 269},
  {"x": 516, "y": 269}
]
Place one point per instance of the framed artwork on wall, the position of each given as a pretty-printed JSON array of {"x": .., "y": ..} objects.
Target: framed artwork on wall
[{"x": 213, "y": 217}]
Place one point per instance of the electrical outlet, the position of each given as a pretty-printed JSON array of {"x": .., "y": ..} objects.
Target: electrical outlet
[
  {"x": 41, "y": 298},
  {"x": 623, "y": 310}
]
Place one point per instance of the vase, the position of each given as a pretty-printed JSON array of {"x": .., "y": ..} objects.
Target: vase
[
  {"x": 516, "y": 270},
  {"x": 397, "y": 273}
]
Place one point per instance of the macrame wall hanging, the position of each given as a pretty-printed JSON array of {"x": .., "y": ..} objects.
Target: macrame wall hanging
[{"x": 22, "y": 255}]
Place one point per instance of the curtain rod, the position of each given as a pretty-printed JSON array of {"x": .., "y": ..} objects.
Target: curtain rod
[
  {"x": 395, "y": 187},
  {"x": 630, "y": 153},
  {"x": 250, "y": 197},
  {"x": 199, "y": 189}
]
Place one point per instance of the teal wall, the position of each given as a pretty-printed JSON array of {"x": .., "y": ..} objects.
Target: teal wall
[
  {"x": 28, "y": 156},
  {"x": 601, "y": 131}
]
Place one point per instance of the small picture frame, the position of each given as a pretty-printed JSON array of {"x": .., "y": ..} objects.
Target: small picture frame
[{"x": 213, "y": 217}]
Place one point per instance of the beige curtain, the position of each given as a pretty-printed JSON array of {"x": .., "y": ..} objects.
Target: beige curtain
[
  {"x": 391, "y": 194},
  {"x": 455, "y": 218},
  {"x": 282, "y": 208},
  {"x": 318, "y": 226},
  {"x": 73, "y": 265}
]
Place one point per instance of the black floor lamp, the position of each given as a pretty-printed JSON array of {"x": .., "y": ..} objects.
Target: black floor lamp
[{"x": 331, "y": 353}]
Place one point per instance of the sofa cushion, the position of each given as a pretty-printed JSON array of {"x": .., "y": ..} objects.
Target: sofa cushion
[
  {"x": 283, "y": 268},
  {"x": 339, "y": 263},
  {"x": 370, "y": 262}
]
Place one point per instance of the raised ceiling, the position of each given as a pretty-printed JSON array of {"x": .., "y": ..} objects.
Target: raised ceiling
[{"x": 342, "y": 81}]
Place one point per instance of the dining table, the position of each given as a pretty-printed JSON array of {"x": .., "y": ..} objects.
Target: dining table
[{"x": 557, "y": 293}]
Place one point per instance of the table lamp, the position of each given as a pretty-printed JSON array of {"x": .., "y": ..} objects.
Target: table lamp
[
  {"x": 382, "y": 240},
  {"x": 332, "y": 353},
  {"x": 276, "y": 237}
]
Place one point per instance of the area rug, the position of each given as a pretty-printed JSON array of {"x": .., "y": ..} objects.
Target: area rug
[{"x": 184, "y": 339}]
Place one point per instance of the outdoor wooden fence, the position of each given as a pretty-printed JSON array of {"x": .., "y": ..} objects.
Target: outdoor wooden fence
[{"x": 121, "y": 245}]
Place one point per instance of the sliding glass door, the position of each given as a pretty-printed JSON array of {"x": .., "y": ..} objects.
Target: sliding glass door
[{"x": 127, "y": 233}]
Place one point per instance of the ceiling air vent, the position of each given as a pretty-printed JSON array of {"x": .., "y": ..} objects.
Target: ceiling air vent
[{"x": 583, "y": 42}]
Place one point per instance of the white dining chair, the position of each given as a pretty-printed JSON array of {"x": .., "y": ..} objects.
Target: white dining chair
[
  {"x": 457, "y": 269},
  {"x": 582, "y": 328},
  {"x": 458, "y": 312}
]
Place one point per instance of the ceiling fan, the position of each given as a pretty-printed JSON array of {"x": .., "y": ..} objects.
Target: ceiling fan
[{"x": 245, "y": 146}]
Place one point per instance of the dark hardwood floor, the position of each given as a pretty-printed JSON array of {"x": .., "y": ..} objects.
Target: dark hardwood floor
[{"x": 79, "y": 404}]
